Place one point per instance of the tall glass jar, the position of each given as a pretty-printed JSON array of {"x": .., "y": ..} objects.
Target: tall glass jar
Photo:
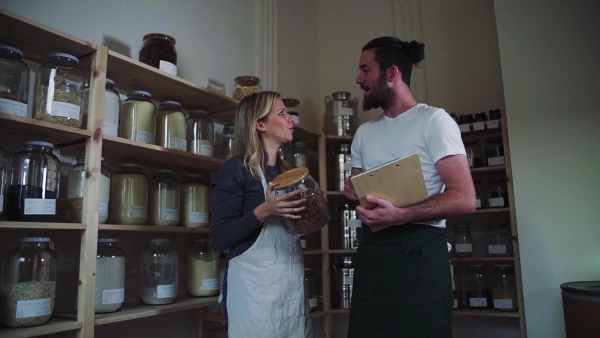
[
  {"x": 158, "y": 50},
  {"x": 112, "y": 106},
  {"x": 340, "y": 114},
  {"x": 3, "y": 176},
  {"x": 33, "y": 183},
  {"x": 504, "y": 289},
  {"x": 494, "y": 151},
  {"x": 246, "y": 85},
  {"x": 298, "y": 154},
  {"x": 350, "y": 227},
  {"x": 497, "y": 192},
  {"x": 59, "y": 91},
  {"x": 163, "y": 200},
  {"x": 14, "y": 81},
  {"x": 128, "y": 203},
  {"x": 309, "y": 289},
  {"x": 158, "y": 273},
  {"x": 463, "y": 240},
  {"x": 342, "y": 167},
  {"x": 171, "y": 127},
  {"x": 76, "y": 189},
  {"x": 498, "y": 241},
  {"x": 28, "y": 284},
  {"x": 474, "y": 155},
  {"x": 138, "y": 118},
  {"x": 227, "y": 141},
  {"x": 202, "y": 269},
  {"x": 200, "y": 133},
  {"x": 479, "y": 292},
  {"x": 110, "y": 276},
  {"x": 195, "y": 201},
  {"x": 343, "y": 281}
]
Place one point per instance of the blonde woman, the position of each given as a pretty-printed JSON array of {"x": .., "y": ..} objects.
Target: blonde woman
[{"x": 263, "y": 291}]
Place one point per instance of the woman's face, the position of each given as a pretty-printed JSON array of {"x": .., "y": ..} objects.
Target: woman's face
[{"x": 279, "y": 125}]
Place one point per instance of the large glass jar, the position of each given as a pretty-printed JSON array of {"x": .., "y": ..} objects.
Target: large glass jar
[
  {"x": 342, "y": 168},
  {"x": 195, "y": 201},
  {"x": 227, "y": 141},
  {"x": 350, "y": 227},
  {"x": 478, "y": 289},
  {"x": 291, "y": 105},
  {"x": 284, "y": 152},
  {"x": 474, "y": 155},
  {"x": 497, "y": 192},
  {"x": 59, "y": 91},
  {"x": 463, "y": 240},
  {"x": 504, "y": 289},
  {"x": 110, "y": 276},
  {"x": 3, "y": 176},
  {"x": 202, "y": 269},
  {"x": 200, "y": 133},
  {"x": 316, "y": 214},
  {"x": 309, "y": 289},
  {"x": 163, "y": 201},
  {"x": 298, "y": 154},
  {"x": 158, "y": 50},
  {"x": 138, "y": 118},
  {"x": 340, "y": 114},
  {"x": 158, "y": 273},
  {"x": 112, "y": 106},
  {"x": 498, "y": 241},
  {"x": 171, "y": 127},
  {"x": 494, "y": 151},
  {"x": 33, "y": 183},
  {"x": 14, "y": 81},
  {"x": 246, "y": 85},
  {"x": 128, "y": 203},
  {"x": 76, "y": 189},
  {"x": 28, "y": 284}
]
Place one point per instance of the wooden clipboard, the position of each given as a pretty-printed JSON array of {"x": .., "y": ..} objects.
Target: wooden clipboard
[{"x": 400, "y": 182}]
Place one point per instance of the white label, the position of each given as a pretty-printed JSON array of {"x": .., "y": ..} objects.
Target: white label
[
  {"x": 110, "y": 129},
  {"x": 312, "y": 302},
  {"x": 346, "y": 111},
  {"x": 64, "y": 109},
  {"x": 102, "y": 209},
  {"x": 13, "y": 107},
  {"x": 113, "y": 296},
  {"x": 40, "y": 206},
  {"x": 33, "y": 308},
  {"x": 495, "y": 160},
  {"x": 348, "y": 280},
  {"x": 503, "y": 304},
  {"x": 496, "y": 202},
  {"x": 478, "y": 126},
  {"x": 165, "y": 291},
  {"x": 353, "y": 223},
  {"x": 303, "y": 243},
  {"x": 178, "y": 143},
  {"x": 347, "y": 166},
  {"x": 455, "y": 304},
  {"x": 207, "y": 150},
  {"x": 136, "y": 211},
  {"x": 470, "y": 160},
  {"x": 1, "y": 202},
  {"x": 144, "y": 136},
  {"x": 463, "y": 247},
  {"x": 464, "y": 128},
  {"x": 210, "y": 284},
  {"x": 497, "y": 249},
  {"x": 169, "y": 215},
  {"x": 198, "y": 217},
  {"x": 493, "y": 124},
  {"x": 167, "y": 67},
  {"x": 477, "y": 203},
  {"x": 478, "y": 302}
]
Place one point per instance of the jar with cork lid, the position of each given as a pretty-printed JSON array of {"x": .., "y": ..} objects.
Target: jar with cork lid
[{"x": 246, "y": 85}]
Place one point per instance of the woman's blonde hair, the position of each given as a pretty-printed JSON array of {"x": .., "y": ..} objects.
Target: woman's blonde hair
[{"x": 246, "y": 141}]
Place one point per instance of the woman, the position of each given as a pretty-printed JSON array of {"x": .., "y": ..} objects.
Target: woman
[{"x": 263, "y": 289}]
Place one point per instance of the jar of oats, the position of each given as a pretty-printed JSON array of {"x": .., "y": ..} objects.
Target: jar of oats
[{"x": 246, "y": 85}]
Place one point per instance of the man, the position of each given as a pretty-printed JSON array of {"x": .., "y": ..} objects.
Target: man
[{"x": 402, "y": 281}]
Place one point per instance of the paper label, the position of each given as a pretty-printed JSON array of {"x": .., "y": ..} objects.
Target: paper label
[
  {"x": 13, "y": 107},
  {"x": 110, "y": 129},
  {"x": 503, "y": 304},
  {"x": 464, "y": 128},
  {"x": 165, "y": 291},
  {"x": 113, "y": 296},
  {"x": 40, "y": 206},
  {"x": 496, "y": 202},
  {"x": 463, "y": 247},
  {"x": 144, "y": 136},
  {"x": 478, "y": 203},
  {"x": 210, "y": 284},
  {"x": 493, "y": 124},
  {"x": 1, "y": 202},
  {"x": 492, "y": 161},
  {"x": 455, "y": 304},
  {"x": 178, "y": 143},
  {"x": 312, "y": 302},
  {"x": 167, "y": 67},
  {"x": 353, "y": 223},
  {"x": 303, "y": 243},
  {"x": 207, "y": 150},
  {"x": 478, "y": 302},
  {"x": 347, "y": 166},
  {"x": 102, "y": 209},
  {"x": 136, "y": 211},
  {"x": 198, "y": 217},
  {"x": 33, "y": 308},
  {"x": 64, "y": 109},
  {"x": 169, "y": 215},
  {"x": 478, "y": 126},
  {"x": 497, "y": 249},
  {"x": 346, "y": 111},
  {"x": 470, "y": 160},
  {"x": 348, "y": 280}
]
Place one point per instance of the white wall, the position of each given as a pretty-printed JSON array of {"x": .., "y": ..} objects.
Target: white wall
[{"x": 549, "y": 52}]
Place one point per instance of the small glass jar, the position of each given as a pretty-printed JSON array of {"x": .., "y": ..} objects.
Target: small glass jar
[
  {"x": 458, "y": 287},
  {"x": 342, "y": 169},
  {"x": 298, "y": 154},
  {"x": 14, "y": 81},
  {"x": 110, "y": 276},
  {"x": 128, "y": 203},
  {"x": 171, "y": 126},
  {"x": 498, "y": 241},
  {"x": 158, "y": 50},
  {"x": 3, "y": 176},
  {"x": 138, "y": 118},
  {"x": 59, "y": 91},
  {"x": 463, "y": 240},
  {"x": 158, "y": 273},
  {"x": 504, "y": 289},
  {"x": 33, "y": 183},
  {"x": 466, "y": 119},
  {"x": 112, "y": 106},
  {"x": 202, "y": 269},
  {"x": 474, "y": 153},
  {"x": 28, "y": 284},
  {"x": 284, "y": 152},
  {"x": 494, "y": 151},
  {"x": 495, "y": 114},
  {"x": 481, "y": 117},
  {"x": 291, "y": 106},
  {"x": 163, "y": 200},
  {"x": 195, "y": 201},
  {"x": 316, "y": 214},
  {"x": 228, "y": 141},
  {"x": 200, "y": 133},
  {"x": 497, "y": 192},
  {"x": 350, "y": 227},
  {"x": 309, "y": 289},
  {"x": 478, "y": 291},
  {"x": 246, "y": 85},
  {"x": 76, "y": 189}
]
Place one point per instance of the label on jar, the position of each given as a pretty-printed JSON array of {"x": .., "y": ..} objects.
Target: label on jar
[
  {"x": 110, "y": 129},
  {"x": 353, "y": 223},
  {"x": 13, "y": 107},
  {"x": 178, "y": 143},
  {"x": 347, "y": 166},
  {"x": 344, "y": 111},
  {"x": 303, "y": 243},
  {"x": 503, "y": 304},
  {"x": 464, "y": 128},
  {"x": 495, "y": 160},
  {"x": 102, "y": 209},
  {"x": 209, "y": 284},
  {"x": 144, "y": 136},
  {"x": 33, "y": 308},
  {"x": 455, "y": 304},
  {"x": 136, "y": 211},
  {"x": 165, "y": 291},
  {"x": 478, "y": 302},
  {"x": 470, "y": 160},
  {"x": 206, "y": 150},
  {"x": 39, "y": 206},
  {"x": 493, "y": 124},
  {"x": 167, "y": 67},
  {"x": 348, "y": 280},
  {"x": 312, "y": 302},
  {"x": 497, "y": 249},
  {"x": 478, "y": 203},
  {"x": 1, "y": 202},
  {"x": 64, "y": 109},
  {"x": 468, "y": 247},
  {"x": 169, "y": 215},
  {"x": 113, "y": 296},
  {"x": 496, "y": 202},
  {"x": 478, "y": 126},
  {"x": 198, "y": 217}
]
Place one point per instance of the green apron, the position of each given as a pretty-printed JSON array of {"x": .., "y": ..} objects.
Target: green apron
[{"x": 402, "y": 284}]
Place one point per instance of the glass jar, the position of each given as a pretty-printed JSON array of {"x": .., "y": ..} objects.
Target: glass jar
[
  {"x": 171, "y": 126},
  {"x": 163, "y": 199},
  {"x": 202, "y": 269},
  {"x": 138, "y": 117},
  {"x": 479, "y": 194},
  {"x": 59, "y": 91},
  {"x": 76, "y": 189},
  {"x": 158, "y": 50},
  {"x": 463, "y": 240},
  {"x": 343, "y": 281},
  {"x": 112, "y": 105},
  {"x": 474, "y": 154},
  {"x": 504, "y": 289},
  {"x": 498, "y": 241},
  {"x": 158, "y": 273},
  {"x": 14, "y": 81},
  {"x": 3, "y": 176},
  {"x": 497, "y": 192},
  {"x": 284, "y": 152},
  {"x": 309, "y": 289},
  {"x": 494, "y": 151},
  {"x": 110, "y": 276},
  {"x": 195, "y": 201},
  {"x": 316, "y": 214},
  {"x": 200, "y": 133},
  {"x": 481, "y": 117},
  {"x": 342, "y": 167},
  {"x": 495, "y": 114},
  {"x": 466, "y": 119},
  {"x": 128, "y": 203},
  {"x": 28, "y": 284},
  {"x": 340, "y": 114},
  {"x": 291, "y": 106},
  {"x": 246, "y": 85},
  {"x": 33, "y": 183},
  {"x": 350, "y": 227},
  {"x": 298, "y": 154},
  {"x": 478, "y": 290},
  {"x": 458, "y": 287},
  {"x": 227, "y": 141}
]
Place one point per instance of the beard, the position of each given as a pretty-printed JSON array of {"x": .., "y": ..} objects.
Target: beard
[{"x": 380, "y": 96}]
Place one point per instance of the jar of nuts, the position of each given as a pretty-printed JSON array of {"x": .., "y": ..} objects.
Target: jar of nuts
[{"x": 246, "y": 85}]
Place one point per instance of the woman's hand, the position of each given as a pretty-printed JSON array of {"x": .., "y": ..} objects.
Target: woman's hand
[{"x": 279, "y": 206}]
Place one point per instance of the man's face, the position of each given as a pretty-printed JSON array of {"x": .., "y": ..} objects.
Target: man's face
[{"x": 377, "y": 93}]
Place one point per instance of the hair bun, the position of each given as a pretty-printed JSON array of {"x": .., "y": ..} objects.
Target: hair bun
[{"x": 416, "y": 50}]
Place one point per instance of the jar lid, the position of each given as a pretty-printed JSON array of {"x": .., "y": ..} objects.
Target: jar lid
[
  {"x": 194, "y": 177},
  {"x": 502, "y": 265},
  {"x": 300, "y": 144},
  {"x": 170, "y": 103},
  {"x": 159, "y": 241},
  {"x": 341, "y": 95},
  {"x": 228, "y": 128},
  {"x": 63, "y": 55},
  {"x": 109, "y": 81},
  {"x": 33, "y": 239},
  {"x": 38, "y": 143},
  {"x": 198, "y": 113},
  {"x": 12, "y": 49},
  {"x": 202, "y": 240},
  {"x": 290, "y": 102},
  {"x": 134, "y": 93},
  {"x": 591, "y": 288},
  {"x": 247, "y": 80},
  {"x": 160, "y": 36},
  {"x": 290, "y": 177},
  {"x": 129, "y": 165},
  {"x": 108, "y": 240},
  {"x": 293, "y": 112}
]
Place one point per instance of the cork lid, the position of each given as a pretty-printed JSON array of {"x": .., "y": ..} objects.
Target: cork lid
[{"x": 290, "y": 177}]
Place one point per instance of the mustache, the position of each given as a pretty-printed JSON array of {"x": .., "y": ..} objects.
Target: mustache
[{"x": 365, "y": 88}]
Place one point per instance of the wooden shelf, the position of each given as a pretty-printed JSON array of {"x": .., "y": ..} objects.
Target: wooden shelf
[
  {"x": 312, "y": 252},
  {"x": 488, "y": 170},
  {"x": 56, "y": 325},
  {"x": 41, "y": 226},
  {"x": 482, "y": 259},
  {"x": 340, "y": 251},
  {"x": 150, "y": 228},
  {"x": 484, "y": 312}
]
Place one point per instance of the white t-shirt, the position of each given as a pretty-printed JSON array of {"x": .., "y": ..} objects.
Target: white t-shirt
[{"x": 425, "y": 130}]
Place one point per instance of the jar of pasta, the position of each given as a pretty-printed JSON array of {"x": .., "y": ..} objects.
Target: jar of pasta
[
  {"x": 246, "y": 85},
  {"x": 163, "y": 201},
  {"x": 171, "y": 126},
  {"x": 158, "y": 273},
  {"x": 195, "y": 201},
  {"x": 200, "y": 133},
  {"x": 110, "y": 276},
  {"x": 202, "y": 269},
  {"x": 128, "y": 202},
  {"x": 76, "y": 189},
  {"x": 138, "y": 117}
]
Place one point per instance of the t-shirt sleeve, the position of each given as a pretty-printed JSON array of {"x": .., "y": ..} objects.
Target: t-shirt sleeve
[{"x": 443, "y": 136}]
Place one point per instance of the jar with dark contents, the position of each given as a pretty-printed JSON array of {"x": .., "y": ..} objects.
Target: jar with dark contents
[
  {"x": 494, "y": 151},
  {"x": 474, "y": 153},
  {"x": 158, "y": 50},
  {"x": 480, "y": 117},
  {"x": 466, "y": 118}
]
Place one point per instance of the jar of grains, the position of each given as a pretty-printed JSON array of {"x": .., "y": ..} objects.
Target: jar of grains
[
  {"x": 110, "y": 276},
  {"x": 298, "y": 154},
  {"x": 14, "y": 81},
  {"x": 77, "y": 189},
  {"x": 59, "y": 91},
  {"x": 112, "y": 106},
  {"x": 138, "y": 117},
  {"x": 463, "y": 240},
  {"x": 128, "y": 203},
  {"x": 163, "y": 200},
  {"x": 171, "y": 126},
  {"x": 200, "y": 133},
  {"x": 228, "y": 141},
  {"x": 246, "y": 85},
  {"x": 158, "y": 273},
  {"x": 504, "y": 288},
  {"x": 158, "y": 50},
  {"x": 195, "y": 201},
  {"x": 202, "y": 269},
  {"x": 28, "y": 284}
]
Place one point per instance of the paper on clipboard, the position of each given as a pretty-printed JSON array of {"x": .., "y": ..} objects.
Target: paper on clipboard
[{"x": 399, "y": 181}]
